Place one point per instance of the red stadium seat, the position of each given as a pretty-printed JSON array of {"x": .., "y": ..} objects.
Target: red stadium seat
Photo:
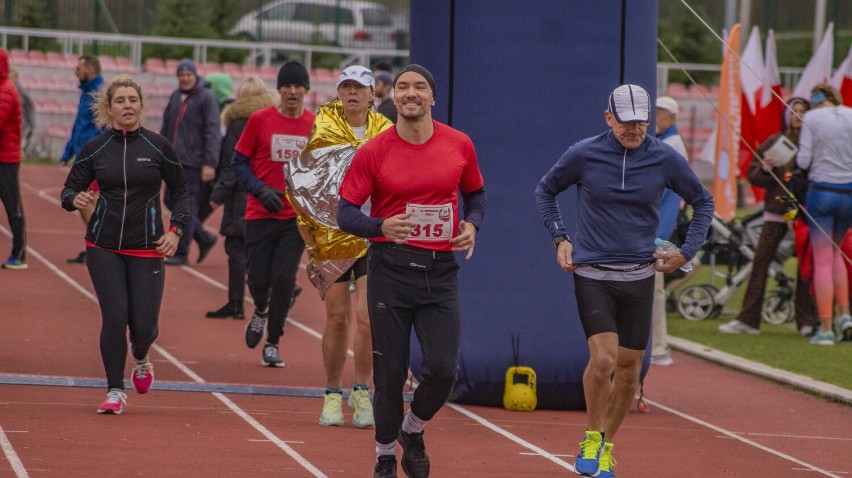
[
  {"x": 38, "y": 58},
  {"x": 269, "y": 73},
  {"x": 19, "y": 57},
  {"x": 108, "y": 64},
  {"x": 251, "y": 70},
  {"x": 232, "y": 69},
  {"x": 208, "y": 68},
  {"x": 155, "y": 66}
]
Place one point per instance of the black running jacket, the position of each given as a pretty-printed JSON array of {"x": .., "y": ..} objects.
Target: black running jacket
[{"x": 130, "y": 167}]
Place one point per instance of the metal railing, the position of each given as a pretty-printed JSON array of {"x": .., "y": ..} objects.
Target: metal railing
[{"x": 76, "y": 42}]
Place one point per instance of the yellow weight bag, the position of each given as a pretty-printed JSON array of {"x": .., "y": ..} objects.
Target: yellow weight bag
[{"x": 520, "y": 395}]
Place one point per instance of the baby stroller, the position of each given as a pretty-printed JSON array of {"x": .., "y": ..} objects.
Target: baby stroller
[{"x": 729, "y": 251}]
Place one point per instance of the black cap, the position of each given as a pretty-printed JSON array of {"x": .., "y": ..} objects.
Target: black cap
[
  {"x": 293, "y": 73},
  {"x": 419, "y": 70}
]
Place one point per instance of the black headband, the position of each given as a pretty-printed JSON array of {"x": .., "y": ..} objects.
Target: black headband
[{"x": 419, "y": 70}]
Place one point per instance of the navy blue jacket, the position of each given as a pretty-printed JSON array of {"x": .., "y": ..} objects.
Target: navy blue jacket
[
  {"x": 192, "y": 126},
  {"x": 618, "y": 198}
]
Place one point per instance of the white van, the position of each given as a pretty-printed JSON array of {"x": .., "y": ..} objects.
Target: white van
[{"x": 351, "y": 23}]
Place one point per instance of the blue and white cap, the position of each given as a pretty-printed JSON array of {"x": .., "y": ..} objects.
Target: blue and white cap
[
  {"x": 630, "y": 104},
  {"x": 359, "y": 74}
]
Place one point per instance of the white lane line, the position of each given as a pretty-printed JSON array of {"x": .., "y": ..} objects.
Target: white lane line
[
  {"x": 11, "y": 456},
  {"x": 271, "y": 436},
  {"x": 511, "y": 436},
  {"x": 177, "y": 363},
  {"x": 740, "y": 438}
]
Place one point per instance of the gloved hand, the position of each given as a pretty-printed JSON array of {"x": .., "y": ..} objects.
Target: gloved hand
[{"x": 269, "y": 197}]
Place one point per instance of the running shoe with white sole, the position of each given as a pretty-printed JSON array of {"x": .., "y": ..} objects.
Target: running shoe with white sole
[
  {"x": 271, "y": 357},
  {"x": 14, "y": 264},
  {"x": 143, "y": 376},
  {"x": 332, "y": 410},
  {"x": 589, "y": 459},
  {"x": 256, "y": 327},
  {"x": 844, "y": 323},
  {"x": 737, "y": 327},
  {"x": 114, "y": 403},
  {"x": 823, "y": 338},
  {"x": 363, "y": 416}
]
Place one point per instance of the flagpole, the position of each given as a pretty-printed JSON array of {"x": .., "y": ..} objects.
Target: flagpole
[
  {"x": 819, "y": 22},
  {"x": 745, "y": 15}
]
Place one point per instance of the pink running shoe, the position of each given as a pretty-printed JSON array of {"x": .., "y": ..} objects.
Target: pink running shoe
[
  {"x": 143, "y": 376},
  {"x": 115, "y": 402}
]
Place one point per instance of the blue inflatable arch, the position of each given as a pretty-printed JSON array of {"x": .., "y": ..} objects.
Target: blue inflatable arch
[{"x": 525, "y": 80}]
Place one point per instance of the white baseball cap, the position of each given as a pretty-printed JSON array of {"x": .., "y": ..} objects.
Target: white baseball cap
[
  {"x": 667, "y": 103},
  {"x": 630, "y": 104},
  {"x": 358, "y": 74}
]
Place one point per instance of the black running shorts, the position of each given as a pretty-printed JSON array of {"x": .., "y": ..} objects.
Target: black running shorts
[
  {"x": 358, "y": 270},
  {"x": 622, "y": 307}
]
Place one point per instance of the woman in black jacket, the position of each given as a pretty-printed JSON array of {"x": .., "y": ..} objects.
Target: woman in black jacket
[
  {"x": 251, "y": 96},
  {"x": 125, "y": 239}
]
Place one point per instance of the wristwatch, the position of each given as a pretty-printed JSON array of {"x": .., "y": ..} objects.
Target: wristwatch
[
  {"x": 176, "y": 230},
  {"x": 559, "y": 239}
]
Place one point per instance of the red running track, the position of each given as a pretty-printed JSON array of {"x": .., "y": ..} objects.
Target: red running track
[{"x": 705, "y": 420}]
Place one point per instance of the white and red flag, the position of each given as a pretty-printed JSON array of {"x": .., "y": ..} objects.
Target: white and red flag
[
  {"x": 770, "y": 105},
  {"x": 818, "y": 69},
  {"x": 842, "y": 79},
  {"x": 751, "y": 79}
]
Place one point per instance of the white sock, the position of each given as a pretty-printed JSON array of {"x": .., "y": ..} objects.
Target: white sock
[
  {"x": 412, "y": 424},
  {"x": 386, "y": 449}
]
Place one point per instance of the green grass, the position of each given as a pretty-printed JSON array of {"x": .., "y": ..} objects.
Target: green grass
[{"x": 778, "y": 346}]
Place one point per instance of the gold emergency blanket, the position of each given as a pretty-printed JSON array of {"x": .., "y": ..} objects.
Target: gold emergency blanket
[{"x": 313, "y": 183}]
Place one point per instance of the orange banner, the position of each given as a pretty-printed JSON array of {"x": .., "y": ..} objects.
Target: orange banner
[{"x": 728, "y": 137}]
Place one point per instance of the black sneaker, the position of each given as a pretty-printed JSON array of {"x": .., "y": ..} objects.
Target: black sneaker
[
  {"x": 255, "y": 328},
  {"x": 231, "y": 309},
  {"x": 415, "y": 461},
  {"x": 80, "y": 259},
  {"x": 271, "y": 358},
  {"x": 385, "y": 467}
]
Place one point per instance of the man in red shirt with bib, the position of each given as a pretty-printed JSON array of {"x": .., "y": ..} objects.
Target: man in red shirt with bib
[
  {"x": 272, "y": 137},
  {"x": 412, "y": 175}
]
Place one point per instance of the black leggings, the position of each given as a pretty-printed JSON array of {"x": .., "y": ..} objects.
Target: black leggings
[
  {"x": 622, "y": 307},
  {"x": 10, "y": 195},
  {"x": 398, "y": 299},
  {"x": 130, "y": 291},
  {"x": 274, "y": 250}
]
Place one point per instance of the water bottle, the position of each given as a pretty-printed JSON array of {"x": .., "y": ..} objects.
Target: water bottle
[{"x": 666, "y": 246}]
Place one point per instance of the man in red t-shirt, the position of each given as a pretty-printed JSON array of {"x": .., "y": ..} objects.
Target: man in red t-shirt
[
  {"x": 412, "y": 175},
  {"x": 272, "y": 137}
]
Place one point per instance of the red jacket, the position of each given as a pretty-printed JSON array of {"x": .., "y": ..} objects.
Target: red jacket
[{"x": 10, "y": 115}]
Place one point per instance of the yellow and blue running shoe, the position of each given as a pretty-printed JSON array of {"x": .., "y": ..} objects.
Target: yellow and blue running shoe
[
  {"x": 607, "y": 462},
  {"x": 589, "y": 459}
]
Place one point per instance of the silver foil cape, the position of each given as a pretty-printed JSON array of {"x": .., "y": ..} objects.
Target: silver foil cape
[{"x": 313, "y": 185}]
